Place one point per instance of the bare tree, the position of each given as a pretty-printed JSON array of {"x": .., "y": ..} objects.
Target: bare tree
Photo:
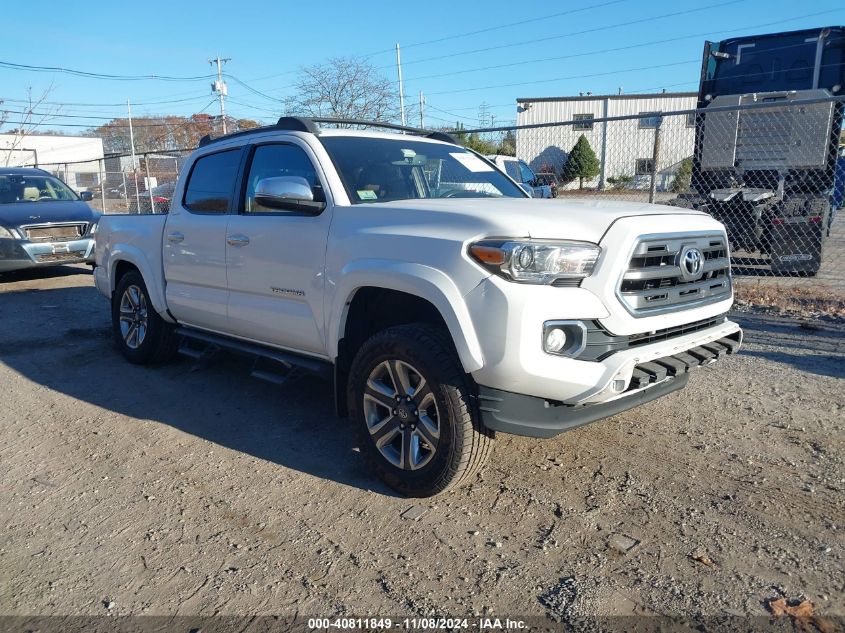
[
  {"x": 34, "y": 114},
  {"x": 346, "y": 88}
]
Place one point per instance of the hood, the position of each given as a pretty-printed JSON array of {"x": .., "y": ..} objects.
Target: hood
[
  {"x": 574, "y": 219},
  {"x": 45, "y": 212}
]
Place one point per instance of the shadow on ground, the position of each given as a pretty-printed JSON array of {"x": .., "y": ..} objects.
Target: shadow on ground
[
  {"x": 812, "y": 347},
  {"x": 61, "y": 339},
  {"x": 31, "y": 274}
]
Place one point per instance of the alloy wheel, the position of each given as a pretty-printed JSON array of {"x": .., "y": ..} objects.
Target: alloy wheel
[
  {"x": 401, "y": 413},
  {"x": 133, "y": 317}
]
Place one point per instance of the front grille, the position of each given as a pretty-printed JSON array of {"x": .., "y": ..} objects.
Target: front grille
[
  {"x": 55, "y": 232},
  {"x": 655, "y": 281},
  {"x": 59, "y": 257}
]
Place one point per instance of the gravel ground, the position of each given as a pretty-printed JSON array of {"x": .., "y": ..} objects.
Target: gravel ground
[{"x": 169, "y": 491}]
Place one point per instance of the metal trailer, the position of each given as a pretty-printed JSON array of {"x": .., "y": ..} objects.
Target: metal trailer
[{"x": 767, "y": 134}]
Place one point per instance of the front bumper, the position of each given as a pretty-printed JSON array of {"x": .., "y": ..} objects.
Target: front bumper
[
  {"x": 538, "y": 417},
  {"x": 18, "y": 254}
]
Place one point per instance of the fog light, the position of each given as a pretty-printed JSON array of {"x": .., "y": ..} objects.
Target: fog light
[
  {"x": 555, "y": 340},
  {"x": 564, "y": 338}
]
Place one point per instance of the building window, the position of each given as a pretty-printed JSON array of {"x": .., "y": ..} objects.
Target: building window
[
  {"x": 691, "y": 119},
  {"x": 643, "y": 166},
  {"x": 585, "y": 121},
  {"x": 649, "y": 120}
]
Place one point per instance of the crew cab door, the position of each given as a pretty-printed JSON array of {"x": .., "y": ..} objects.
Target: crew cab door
[
  {"x": 275, "y": 258},
  {"x": 194, "y": 241}
]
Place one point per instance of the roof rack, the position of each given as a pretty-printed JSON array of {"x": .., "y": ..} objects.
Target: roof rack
[{"x": 306, "y": 124}]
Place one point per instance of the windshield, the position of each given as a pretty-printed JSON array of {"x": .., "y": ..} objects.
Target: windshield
[
  {"x": 769, "y": 63},
  {"x": 16, "y": 188},
  {"x": 384, "y": 170}
]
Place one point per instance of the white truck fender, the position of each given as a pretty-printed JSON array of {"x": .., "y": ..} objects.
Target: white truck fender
[
  {"x": 416, "y": 279},
  {"x": 153, "y": 278}
]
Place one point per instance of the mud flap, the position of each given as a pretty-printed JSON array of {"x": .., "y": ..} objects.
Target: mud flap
[{"x": 796, "y": 245}]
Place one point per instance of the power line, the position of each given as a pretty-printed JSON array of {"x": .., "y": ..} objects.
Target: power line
[
  {"x": 92, "y": 75},
  {"x": 625, "y": 70},
  {"x": 469, "y": 33},
  {"x": 117, "y": 126},
  {"x": 106, "y": 105},
  {"x": 503, "y": 26},
  {"x": 572, "y": 33},
  {"x": 540, "y": 81},
  {"x": 616, "y": 49},
  {"x": 253, "y": 90}
]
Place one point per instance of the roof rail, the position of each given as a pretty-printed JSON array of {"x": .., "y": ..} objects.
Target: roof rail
[
  {"x": 438, "y": 136},
  {"x": 306, "y": 124}
]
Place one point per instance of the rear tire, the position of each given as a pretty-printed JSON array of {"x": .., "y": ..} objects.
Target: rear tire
[
  {"x": 414, "y": 410},
  {"x": 140, "y": 334}
]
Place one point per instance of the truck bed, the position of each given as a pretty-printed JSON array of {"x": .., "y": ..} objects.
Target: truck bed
[{"x": 135, "y": 239}]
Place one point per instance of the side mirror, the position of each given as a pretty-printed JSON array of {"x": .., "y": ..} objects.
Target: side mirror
[
  {"x": 86, "y": 196},
  {"x": 287, "y": 193},
  {"x": 527, "y": 189}
]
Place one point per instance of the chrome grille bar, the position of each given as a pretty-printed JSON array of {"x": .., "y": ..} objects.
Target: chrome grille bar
[{"x": 655, "y": 281}]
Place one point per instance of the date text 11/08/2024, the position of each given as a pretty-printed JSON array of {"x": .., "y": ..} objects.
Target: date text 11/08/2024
[{"x": 413, "y": 624}]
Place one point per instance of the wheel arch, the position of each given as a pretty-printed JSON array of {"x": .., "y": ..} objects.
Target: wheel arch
[
  {"x": 125, "y": 260},
  {"x": 412, "y": 293}
]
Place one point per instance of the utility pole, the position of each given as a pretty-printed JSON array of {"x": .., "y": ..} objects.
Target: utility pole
[
  {"x": 422, "y": 111},
  {"x": 401, "y": 89},
  {"x": 134, "y": 162},
  {"x": 219, "y": 86}
]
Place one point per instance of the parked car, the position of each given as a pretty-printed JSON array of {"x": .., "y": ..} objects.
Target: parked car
[
  {"x": 43, "y": 222},
  {"x": 161, "y": 196},
  {"x": 549, "y": 179},
  {"x": 444, "y": 304},
  {"x": 522, "y": 174}
]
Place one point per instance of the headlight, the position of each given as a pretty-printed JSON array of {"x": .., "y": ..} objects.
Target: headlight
[
  {"x": 536, "y": 261},
  {"x": 93, "y": 229},
  {"x": 4, "y": 232}
]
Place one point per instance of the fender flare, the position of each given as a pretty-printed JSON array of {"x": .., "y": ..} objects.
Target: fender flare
[
  {"x": 155, "y": 283},
  {"x": 419, "y": 280}
]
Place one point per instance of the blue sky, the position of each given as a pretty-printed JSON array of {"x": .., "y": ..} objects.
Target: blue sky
[{"x": 488, "y": 52}]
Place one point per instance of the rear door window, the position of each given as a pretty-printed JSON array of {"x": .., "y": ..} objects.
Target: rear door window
[
  {"x": 212, "y": 181},
  {"x": 512, "y": 170},
  {"x": 526, "y": 174}
]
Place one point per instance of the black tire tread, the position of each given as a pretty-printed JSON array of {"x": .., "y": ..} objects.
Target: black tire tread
[
  {"x": 476, "y": 439},
  {"x": 160, "y": 334}
]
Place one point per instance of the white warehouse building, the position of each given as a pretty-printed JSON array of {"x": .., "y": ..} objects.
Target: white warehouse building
[
  {"x": 624, "y": 148},
  {"x": 75, "y": 159}
]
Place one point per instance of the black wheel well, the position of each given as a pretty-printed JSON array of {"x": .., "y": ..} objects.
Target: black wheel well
[
  {"x": 120, "y": 269},
  {"x": 371, "y": 310}
]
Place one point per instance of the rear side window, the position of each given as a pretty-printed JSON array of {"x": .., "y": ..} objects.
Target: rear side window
[
  {"x": 526, "y": 174},
  {"x": 211, "y": 182},
  {"x": 512, "y": 170}
]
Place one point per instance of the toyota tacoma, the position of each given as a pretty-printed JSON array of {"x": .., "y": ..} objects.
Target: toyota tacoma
[{"x": 444, "y": 303}]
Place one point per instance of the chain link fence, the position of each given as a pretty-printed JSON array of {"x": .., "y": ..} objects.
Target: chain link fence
[
  {"x": 123, "y": 183},
  {"x": 772, "y": 171}
]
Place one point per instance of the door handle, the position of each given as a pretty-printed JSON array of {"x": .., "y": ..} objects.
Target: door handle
[
  {"x": 237, "y": 240},
  {"x": 175, "y": 238}
]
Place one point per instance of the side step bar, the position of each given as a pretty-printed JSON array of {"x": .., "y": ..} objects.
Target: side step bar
[{"x": 271, "y": 364}]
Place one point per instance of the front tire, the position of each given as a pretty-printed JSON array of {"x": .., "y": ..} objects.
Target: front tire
[
  {"x": 413, "y": 407},
  {"x": 140, "y": 334}
]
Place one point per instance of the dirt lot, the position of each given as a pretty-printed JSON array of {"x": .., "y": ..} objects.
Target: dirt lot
[{"x": 130, "y": 490}]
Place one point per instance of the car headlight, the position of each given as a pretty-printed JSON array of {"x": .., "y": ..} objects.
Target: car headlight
[
  {"x": 93, "y": 229},
  {"x": 4, "y": 232},
  {"x": 536, "y": 261}
]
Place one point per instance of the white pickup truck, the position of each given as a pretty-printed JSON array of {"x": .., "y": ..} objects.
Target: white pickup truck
[{"x": 445, "y": 303}]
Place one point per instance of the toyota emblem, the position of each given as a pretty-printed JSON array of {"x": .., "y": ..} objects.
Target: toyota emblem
[{"x": 691, "y": 263}]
